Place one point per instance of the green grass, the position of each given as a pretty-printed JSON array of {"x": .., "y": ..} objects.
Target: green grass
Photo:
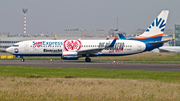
[{"x": 39, "y": 72}]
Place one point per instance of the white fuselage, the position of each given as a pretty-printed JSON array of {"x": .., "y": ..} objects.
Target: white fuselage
[{"x": 57, "y": 47}]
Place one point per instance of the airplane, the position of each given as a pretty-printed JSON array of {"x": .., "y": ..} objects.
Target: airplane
[
  {"x": 171, "y": 49},
  {"x": 74, "y": 49}
]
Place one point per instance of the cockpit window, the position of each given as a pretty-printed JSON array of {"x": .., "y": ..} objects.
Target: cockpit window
[{"x": 15, "y": 45}]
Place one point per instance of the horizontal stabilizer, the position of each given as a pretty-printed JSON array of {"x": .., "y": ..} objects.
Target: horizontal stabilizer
[{"x": 159, "y": 42}]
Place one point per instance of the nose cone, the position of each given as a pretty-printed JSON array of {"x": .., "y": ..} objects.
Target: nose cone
[{"x": 9, "y": 50}]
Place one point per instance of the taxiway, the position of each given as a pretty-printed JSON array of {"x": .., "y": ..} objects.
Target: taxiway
[{"x": 94, "y": 64}]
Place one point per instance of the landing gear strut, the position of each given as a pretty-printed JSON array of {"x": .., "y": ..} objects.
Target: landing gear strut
[{"x": 88, "y": 59}]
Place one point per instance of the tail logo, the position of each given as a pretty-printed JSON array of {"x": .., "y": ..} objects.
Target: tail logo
[{"x": 158, "y": 23}]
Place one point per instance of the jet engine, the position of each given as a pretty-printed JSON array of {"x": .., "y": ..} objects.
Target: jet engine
[{"x": 70, "y": 56}]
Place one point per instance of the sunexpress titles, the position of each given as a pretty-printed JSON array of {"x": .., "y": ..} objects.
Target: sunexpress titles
[{"x": 49, "y": 43}]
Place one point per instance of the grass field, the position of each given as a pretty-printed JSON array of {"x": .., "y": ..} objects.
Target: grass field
[
  {"x": 146, "y": 56},
  {"x": 39, "y": 72},
  {"x": 86, "y": 89},
  {"x": 83, "y": 84}
]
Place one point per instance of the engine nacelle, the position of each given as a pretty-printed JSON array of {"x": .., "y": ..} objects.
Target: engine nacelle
[{"x": 70, "y": 55}]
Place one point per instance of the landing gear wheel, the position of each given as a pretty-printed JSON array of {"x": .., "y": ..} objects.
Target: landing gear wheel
[
  {"x": 22, "y": 60},
  {"x": 88, "y": 59}
]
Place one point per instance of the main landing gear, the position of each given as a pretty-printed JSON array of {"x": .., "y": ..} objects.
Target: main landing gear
[{"x": 88, "y": 59}]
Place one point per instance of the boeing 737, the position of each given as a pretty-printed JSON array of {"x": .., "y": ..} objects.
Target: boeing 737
[{"x": 74, "y": 49}]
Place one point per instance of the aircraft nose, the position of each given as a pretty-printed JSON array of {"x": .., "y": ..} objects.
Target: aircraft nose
[{"x": 8, "y": 50}]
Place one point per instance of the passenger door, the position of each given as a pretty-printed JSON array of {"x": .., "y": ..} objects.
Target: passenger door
[{"x": 26, "y": 48}]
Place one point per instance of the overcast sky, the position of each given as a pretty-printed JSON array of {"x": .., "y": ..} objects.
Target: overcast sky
[{"x": 46, "y": 16}]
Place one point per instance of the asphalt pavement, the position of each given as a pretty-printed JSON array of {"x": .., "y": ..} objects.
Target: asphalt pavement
[{"x": 123, "y": 65}]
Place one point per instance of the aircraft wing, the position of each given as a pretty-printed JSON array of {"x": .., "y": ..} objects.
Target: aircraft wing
[
  {"x": 163, "y": 50},
  {"x": 159, "y": 42},
  {"x": 96, "y": 50},
  {"x": 90, "y": 51}
]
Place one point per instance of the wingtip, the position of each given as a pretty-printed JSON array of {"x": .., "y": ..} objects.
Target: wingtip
[{"x": 116, "y": 37}]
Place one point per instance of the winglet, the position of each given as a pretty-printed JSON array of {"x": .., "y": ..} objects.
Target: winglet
[
  {"x": 113, "y": 42},
  {"x": 121, "y": 36},
  {"x": 107, "y": 38}
]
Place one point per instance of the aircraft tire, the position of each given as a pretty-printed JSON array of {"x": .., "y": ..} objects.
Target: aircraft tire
[
  {"x": 22, "y": 60},
  {"x": 88, "y": 59}
]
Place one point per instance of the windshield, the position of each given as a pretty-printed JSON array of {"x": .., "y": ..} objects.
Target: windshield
[{"x": 15, "y": 45}]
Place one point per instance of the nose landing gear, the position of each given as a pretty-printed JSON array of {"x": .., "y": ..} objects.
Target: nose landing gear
[{"x": 22, "y": 60}]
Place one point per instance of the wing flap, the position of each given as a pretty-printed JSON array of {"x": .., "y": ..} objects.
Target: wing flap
[{"x": 90, "y": 51}]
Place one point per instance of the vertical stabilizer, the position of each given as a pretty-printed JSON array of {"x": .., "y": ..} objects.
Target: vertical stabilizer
[{"x": 156, "y": 29}]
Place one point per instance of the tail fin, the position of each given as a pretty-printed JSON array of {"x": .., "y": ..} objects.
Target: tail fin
[{"x": 155, "y": 31}]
